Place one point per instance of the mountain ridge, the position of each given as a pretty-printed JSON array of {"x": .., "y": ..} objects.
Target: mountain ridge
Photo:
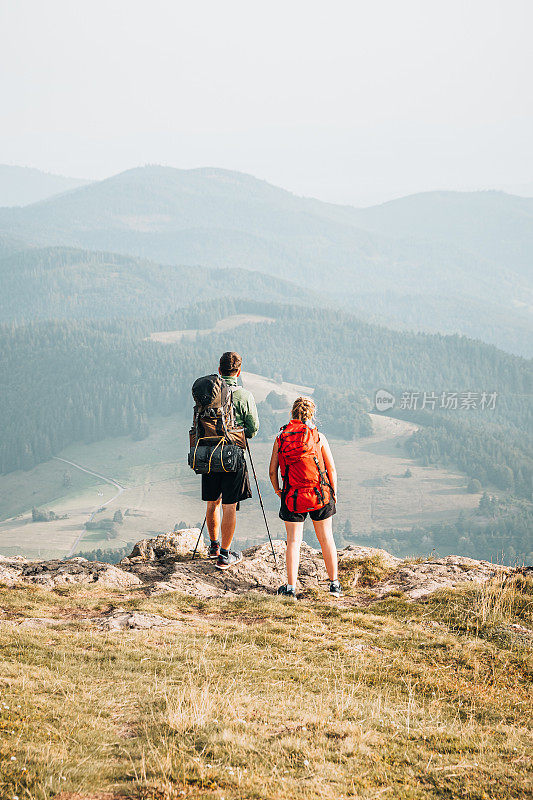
[
  {"x": 472, "y": 246},
  {"x": 21, "y": 186}
]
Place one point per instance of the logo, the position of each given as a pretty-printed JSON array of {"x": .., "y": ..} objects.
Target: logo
[{"x": 384, "y": 400}]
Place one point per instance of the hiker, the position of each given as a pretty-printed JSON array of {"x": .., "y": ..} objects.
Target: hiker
[
  {"x": 303, "y": 456},
  {"x": 225, "y": 416}
]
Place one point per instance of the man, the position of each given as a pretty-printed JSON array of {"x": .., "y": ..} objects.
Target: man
[{"x": 227, "y": 489}]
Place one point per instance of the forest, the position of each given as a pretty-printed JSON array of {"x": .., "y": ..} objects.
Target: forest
[
  {"x": 70, "y": 381},
  {"x": 504, "y": 540},
  {"x": 69, "y": 283}
]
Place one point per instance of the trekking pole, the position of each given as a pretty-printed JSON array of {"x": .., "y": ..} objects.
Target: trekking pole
[
  {"x": 261, "y": 503},
  {"x": 199, "y": 537}
]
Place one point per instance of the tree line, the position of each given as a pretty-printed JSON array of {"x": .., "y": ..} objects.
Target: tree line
[{"x": 70, "y": 381}]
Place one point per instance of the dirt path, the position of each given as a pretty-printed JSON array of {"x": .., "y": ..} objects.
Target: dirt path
[{"x": 93, "y": 513}]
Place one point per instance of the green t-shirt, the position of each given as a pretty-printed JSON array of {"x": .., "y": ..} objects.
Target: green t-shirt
[{"x": 245, "y": 408}]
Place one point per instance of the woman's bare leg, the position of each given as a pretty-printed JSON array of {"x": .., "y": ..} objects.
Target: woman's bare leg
[
  {"x": 294, "y": 539},
  {"x": 324, "y": 534}
]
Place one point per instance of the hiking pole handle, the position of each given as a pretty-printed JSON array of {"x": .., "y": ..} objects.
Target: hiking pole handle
[{"x": 261, "y": 503}]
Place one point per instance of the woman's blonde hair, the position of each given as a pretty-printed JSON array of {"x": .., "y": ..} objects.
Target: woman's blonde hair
[{"x": 303, "y": 409}]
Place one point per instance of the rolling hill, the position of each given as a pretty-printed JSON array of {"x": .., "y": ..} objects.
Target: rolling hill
[
  {"x": 69, "y": 283},
  {"x": 466, "y": 249},
  {"x": 20, "y": 186},
  {"x": 495, "y": 225}
]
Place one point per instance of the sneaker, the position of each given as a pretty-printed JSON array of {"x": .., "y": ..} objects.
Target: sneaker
[
  {"x": 214, "y": 549},
  {"x": 286, "y": 592},
  {"x": 335, "y": 589},
  {"x": 225, "y": 562}
]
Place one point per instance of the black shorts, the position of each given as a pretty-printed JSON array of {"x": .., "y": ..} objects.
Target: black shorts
[
  {"x": 319, "y": 514},
  {"x": 233, "y": 486}
]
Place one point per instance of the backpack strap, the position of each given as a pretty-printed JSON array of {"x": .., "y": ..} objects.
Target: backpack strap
[{"x": 324, "y": 477}]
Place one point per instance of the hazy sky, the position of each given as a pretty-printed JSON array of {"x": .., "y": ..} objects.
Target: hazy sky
[{"x": 349, "y": 101}]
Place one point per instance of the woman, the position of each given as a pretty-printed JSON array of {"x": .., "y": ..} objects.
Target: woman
[{"x": 303, "y": 456}]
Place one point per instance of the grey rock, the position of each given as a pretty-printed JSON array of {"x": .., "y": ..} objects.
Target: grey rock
[
  {"x": 166, "y": 546},
  {"x": 162, "y": 564},
  {"x": 256, "y": 571},
  {"x": 57, "y": 573},
  {"x": 420, "y": 579},
  {"x": 357, "y": 552},
  {"x": 120, "y": 620}
]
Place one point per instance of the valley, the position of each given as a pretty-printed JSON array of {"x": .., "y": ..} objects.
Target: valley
[
  {"x": 160, "y": 490},
  {"x": 221, "y": 326}
]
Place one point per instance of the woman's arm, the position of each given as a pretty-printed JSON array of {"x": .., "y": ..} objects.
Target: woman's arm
[
  {"x": 329, "y": 463},
  {"x": 273, "y": 469}
]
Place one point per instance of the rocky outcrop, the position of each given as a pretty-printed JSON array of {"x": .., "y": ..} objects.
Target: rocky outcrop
[
  {"x": 419, "y": 579},
  {"x": 164, "y": 564},
  {"x": 200, "y": 578},
  {"x": 167, "y": 546},
  {"x": 355, "y": 552},
  {"x": 57, "y": 573}
]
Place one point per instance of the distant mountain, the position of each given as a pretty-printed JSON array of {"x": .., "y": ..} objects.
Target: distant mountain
[
  {"x": 20, "y": 186},
  {"x": 521, "y": 189},
  {"x": 508, "y": 328},
  {"x": 65, "y": 283},
  {"x": 494, "y": 225},
  {"x": 465, "y": 249},
  {"x": 9, "y": 245}
]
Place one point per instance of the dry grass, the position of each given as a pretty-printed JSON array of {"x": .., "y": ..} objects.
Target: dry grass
[
  {"x": 364, "y": 571},
  {"x": 489, "y": 608},
  {"x": 263, "y": 698}
]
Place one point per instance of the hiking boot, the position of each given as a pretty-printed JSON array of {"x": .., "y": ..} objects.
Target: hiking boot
[
  {"x": 225, "y": 562},
  {"x": 335, "y": 589},
  {"x": 214, "y": 549},
  {"x": 286, "y": 592}
]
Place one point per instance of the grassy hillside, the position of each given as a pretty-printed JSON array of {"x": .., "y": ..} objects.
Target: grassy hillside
[
  {"x": 266, "y": 698},
  {"x": 222, "y": 219}
]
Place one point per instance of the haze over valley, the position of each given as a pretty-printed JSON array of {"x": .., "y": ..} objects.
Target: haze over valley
[{"x": 441, "y": 261}]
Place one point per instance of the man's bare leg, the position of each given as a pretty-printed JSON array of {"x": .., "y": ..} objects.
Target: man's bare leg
[
  {"x": 229, "y": 521},
  {"x": 213, "y": 518}
]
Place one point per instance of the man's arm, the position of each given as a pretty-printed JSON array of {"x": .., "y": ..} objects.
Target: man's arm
[{"x": 250, "y": 417}]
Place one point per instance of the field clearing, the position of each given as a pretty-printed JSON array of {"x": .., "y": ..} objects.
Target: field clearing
[
  {"x": 136, "y": 465},
  {"x": 21, "y": 536},
  {"x": 161, "y": 490},
  {"x": 373, "y": 493},
  {"x": 43, "y": 484},
  {"x": 261, "y": 387},
  {"x": 226, "y": 324}
]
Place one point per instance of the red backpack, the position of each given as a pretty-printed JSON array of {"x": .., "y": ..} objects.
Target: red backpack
[{"x": 306, "y": 485}]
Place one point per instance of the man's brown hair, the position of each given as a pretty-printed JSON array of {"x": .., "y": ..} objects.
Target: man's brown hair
[{"x": 230, "y": 363}]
